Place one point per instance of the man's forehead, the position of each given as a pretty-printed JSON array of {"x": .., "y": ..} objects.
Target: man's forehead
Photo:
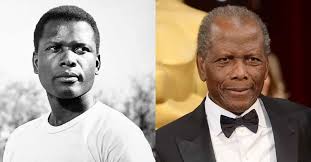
[
  {"x": 62, "y": 27},
  {"x": 234, "y": 22},
  {"x": 235, "y": 26}
]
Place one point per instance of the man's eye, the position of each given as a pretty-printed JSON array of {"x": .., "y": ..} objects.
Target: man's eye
[
  {"x": 53, "y": 49},
  {"x": 253, "y": 60},
  {"x": 223, "y": 60},
  {"x": 81, "y": 50}
]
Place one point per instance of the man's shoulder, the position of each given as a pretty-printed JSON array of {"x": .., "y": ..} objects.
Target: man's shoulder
[
  {"x": 284, "y": 105},
  {"x": 177, "y": 124},
  {"x": 185, "y": 125},
  {"x": 285, "y": 108},
  {"x": 111, "y": 114},
  {"x": 24, "y": 132},
  {"x": 114, "y": 121},
  {"x": 120, "y": 136},
  {"x": 27, "y": 127}
]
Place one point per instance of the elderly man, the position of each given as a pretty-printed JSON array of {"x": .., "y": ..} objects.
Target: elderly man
[{"x": 234, "y": 122}]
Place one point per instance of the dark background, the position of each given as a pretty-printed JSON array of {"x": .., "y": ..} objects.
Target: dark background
[{"x": 290, "y": 33}]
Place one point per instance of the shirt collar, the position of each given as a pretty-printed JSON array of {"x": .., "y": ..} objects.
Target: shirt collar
[{"x": 213, "y": 113}]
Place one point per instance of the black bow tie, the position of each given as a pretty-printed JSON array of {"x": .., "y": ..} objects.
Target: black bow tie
[{"x": 249, "y": 120}]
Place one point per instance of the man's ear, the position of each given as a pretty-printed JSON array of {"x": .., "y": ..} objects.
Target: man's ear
[
  {"x": 201, "y": 67},
  {"x": 35, "y": 62},
  {"x": 98, "y": 64}
]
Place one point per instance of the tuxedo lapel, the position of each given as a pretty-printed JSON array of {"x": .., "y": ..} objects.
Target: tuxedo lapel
[
  {"x": 198, "y": 150},
  {"x": 284, "y": 131},
  {"x": 197, "y": 146}
]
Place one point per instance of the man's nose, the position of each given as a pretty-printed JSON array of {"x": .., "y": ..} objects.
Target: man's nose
[
  {"x": 68, "y": 58},
  {"x": 239, "y": 71}
]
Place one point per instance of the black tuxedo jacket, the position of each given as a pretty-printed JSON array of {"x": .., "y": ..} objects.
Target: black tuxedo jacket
[{"x": 188, "y": 138}]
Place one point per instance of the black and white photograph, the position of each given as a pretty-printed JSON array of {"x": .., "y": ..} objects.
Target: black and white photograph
[{"x": 77, "y": 80}]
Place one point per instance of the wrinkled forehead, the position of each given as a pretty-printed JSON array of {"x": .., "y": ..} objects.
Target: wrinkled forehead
[{"x": 235, "y": 27}]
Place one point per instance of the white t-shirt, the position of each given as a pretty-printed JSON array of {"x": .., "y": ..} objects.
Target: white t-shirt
[{"x": 100, "y": 134}]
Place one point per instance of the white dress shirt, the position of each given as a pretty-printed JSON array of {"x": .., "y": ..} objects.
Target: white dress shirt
[{"x": 243, "y": 145}]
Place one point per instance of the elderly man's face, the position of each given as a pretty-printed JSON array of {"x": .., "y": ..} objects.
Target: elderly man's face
[
  {"x": 66, "y": 60},
  {"x": 235, "y": 66}
]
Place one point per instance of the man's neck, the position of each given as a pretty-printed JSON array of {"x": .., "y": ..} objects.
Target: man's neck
[{"x": 64, "y": 110}]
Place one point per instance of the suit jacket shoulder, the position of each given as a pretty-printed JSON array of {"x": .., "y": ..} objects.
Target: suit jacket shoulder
[
  {"x": 187, "y": 139},
  {"x": 291, "y": 125},
  {"x": 183, "y": 125},
  {"x": 282, "y": 108}
]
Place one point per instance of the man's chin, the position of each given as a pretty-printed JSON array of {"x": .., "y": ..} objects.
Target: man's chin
[{"x": 68, "y": 94}]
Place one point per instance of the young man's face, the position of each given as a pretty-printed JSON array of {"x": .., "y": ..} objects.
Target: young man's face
[{"x": 66, "y": 60}]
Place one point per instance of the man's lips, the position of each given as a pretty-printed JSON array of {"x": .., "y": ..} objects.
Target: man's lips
[
  {"x": 238, "y": 90},
  {"x": 69, "y": 77}
]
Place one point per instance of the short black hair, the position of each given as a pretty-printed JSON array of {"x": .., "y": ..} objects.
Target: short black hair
[{"x": 67, "y": 13}]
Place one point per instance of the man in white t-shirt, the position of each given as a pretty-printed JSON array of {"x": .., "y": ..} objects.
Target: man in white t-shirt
[{"x": 78, "y": 129}]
